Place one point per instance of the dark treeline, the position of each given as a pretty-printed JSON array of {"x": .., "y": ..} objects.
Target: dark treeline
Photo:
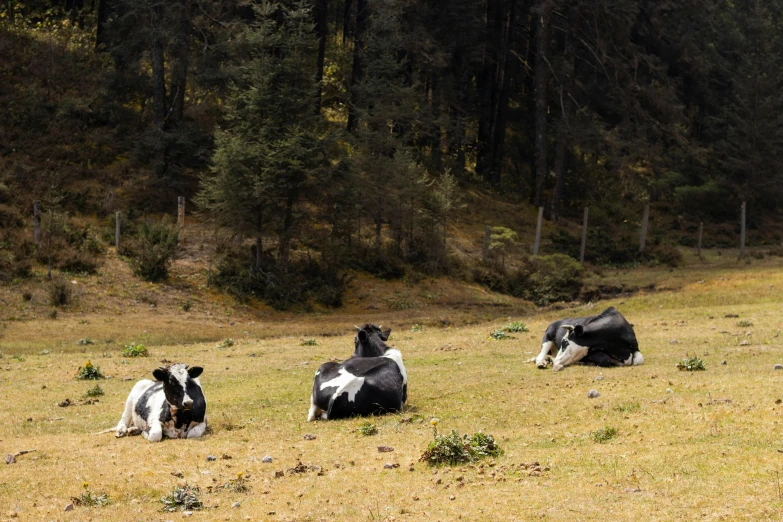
[{"x": 310, "y": 125}]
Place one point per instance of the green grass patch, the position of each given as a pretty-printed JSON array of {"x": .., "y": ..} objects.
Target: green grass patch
[
  {"x": 367, "y": 428},
  {"x": 604, "y": 434},
  {"x": 691, "y": 363},
  {"x": 90, "y": 372},
  {"x": 182, "y": 498},
  {"x": 515, "y": 327},
  {"x": 135, "y": 350}
]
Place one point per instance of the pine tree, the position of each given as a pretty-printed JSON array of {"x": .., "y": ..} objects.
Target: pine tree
[{"x": 269, "y": 154}]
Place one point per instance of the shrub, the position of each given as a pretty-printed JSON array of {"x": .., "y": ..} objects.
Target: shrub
[
  {"x": 744, "y": 323},
  {"x": 666, "y": 255},
  {"x": 153, "y": 249},
  {"x": 498, "y": 335},
  {"x": 452, "y": 449},
  {"x": 237, "y": 485},
  {"x": 27, "y": 296},
  {"x": 226, "y": 343},
  {"x": 309, "y": 342},
  {"x": 554, "y": 278},
  {"x": 187, "y": 305},
  {"x": 90, "y": 499},
  {"x": 85, "y": 342},
  {"x": 183, "y": 498},
  {"x": 60, "y": 293},
  {"x": 95, "y": 391},
  {"x": 691, "y": 363},
  {"x": 367, "y": 428},
  {"x": 89, "y": 372},
  {"x": 135, "y": 350},
  {"x": 604, "y": 434},
  {"x": 515, "y": 327}
]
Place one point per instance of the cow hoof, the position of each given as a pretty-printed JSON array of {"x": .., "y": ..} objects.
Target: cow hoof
[
  {"x": 543, "y": 366},
  {"x": 121, "y": 432},
  {"x": 557, "y": 368}
]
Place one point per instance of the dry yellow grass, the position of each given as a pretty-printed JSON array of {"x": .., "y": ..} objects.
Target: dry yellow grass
[{"x": 707, "y": 450}]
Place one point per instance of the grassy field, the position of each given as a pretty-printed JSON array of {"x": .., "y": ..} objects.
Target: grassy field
[{"x": 689, "y": 445}]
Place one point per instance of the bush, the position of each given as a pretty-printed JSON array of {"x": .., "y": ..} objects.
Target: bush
[
  {"x": 90, "y": 499},
  {"x": 691, "y": 363},
  {"x": 515, "y": 327},
  {"x": 95, "y": 391},
  {"x": 89, "y": 372},
  {"x": 309, "y": 342},
  {"x": 135, "y": 350},
  {"x": 499, "y": 335},
  {"x": 553, "y": 278},
  {"x": 666, "y": 255},
  {"x": 183, "y": 498},
  {"x": 152, "y": 251},
  {"x": 60, "y": 293},
  {"x": 452, "y": 449}
]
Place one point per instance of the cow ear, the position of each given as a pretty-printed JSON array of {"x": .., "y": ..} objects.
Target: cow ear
[
  {"x": 385, "y": 335},
  {"x": 362, "y": 336},
  {"x": 578, "y": 330},
  {"x": 161, "y": 374},
  {"x": 195, "y": 371}
]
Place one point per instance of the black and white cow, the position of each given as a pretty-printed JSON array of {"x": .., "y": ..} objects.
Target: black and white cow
[
  {"x": 373, "y": 380},
  {"x": 172, "y": 405},
  {"x": 606, "y": 339}
]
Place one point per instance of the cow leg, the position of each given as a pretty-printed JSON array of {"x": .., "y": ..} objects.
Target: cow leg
[
  {"x": 571, "y": 355},
  {"x": 546, "y": 349},
  {"x": 315, "y": 412},
  {"x": 155, "y": 433},
  {"x": 638, "y": 360},
  {"x": 127, "y": 416},
  {"x": 197, "y": 430}
]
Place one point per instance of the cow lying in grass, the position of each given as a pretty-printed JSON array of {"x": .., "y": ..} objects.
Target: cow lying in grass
[
  {"x": 372, "y": 381},
  {"x": 173, "y": 406},
  {"x": 606, "y": 339}
]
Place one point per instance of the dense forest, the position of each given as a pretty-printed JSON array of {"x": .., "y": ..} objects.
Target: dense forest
[{"x": 322, "y": 135}]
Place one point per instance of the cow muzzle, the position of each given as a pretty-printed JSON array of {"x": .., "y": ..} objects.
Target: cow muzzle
[{"x": 187, "y": 405}]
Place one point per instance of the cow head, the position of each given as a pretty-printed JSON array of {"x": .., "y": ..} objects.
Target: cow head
[
  {"x": 180, "y": 386},
  {"x": 370, "y": 341},
  {"x": 569, "y": 351}
]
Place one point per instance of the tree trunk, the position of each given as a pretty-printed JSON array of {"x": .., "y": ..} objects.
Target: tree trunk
[
  {"x": 347, "y": 20},
  {"x": 543, "y": 13},
  {"x": 101, "y": 41},
  {"x": 563, "y": 134},
  {"x": 378, "y": 225},
  {"x": 436, "y": 155},
  {"x": 357, "y": 72},
  {"x": 285, "y": 234},
  {"x": 487, "y": 87},
  {"x": 159, "y": 93},
  {"x": 501, "y": 106},
  {"x": 320, "y": 13},
  {"x": 179, "y": 66}
]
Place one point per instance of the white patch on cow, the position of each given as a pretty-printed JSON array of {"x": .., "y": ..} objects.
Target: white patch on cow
[
  {"x": 129, "y": 416},
  {"x": 571, "y": 355},
  {"x": 345, "y": 382},
  {"x": 546, "y": 349},
  {"x": 396, "y": 356},
  {"x": 638, "y": 360},
  {"x": 180, "y": 372}
]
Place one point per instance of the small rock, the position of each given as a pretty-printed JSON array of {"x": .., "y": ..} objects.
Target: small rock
[
  {"x": 723, "y": 362},
  {"x": 267, "y": 459},
  {"x": 632, "y": 490},
  {"x": 187, "y": 513},
  {"x": 415, "y": 497},
  {"x": 309, "y": 436},
  {"x": 779, "y": 366},
  {"x": 389, "y": 465},
  {"x": 452, "y": 497},
  {"x": 674, "y": 341},
  {"x": 10, "y": 459},
  {"x": 599, "y": 378},
  {"x": 385, "y": 449},
  {"x": 211, "y": 458},
  {"x": 69, "y": 507},
  {"x": 29, "y": 419},
  {"x": 731, "y": 315},
  {"x": 592, "y": 394},
  {"x": 177, "y": 474},
  {"x": 744, "y": 342},
  {"x": 235, "y": 505},
  {"x": 669, "y": 390},
  {"x": 226, "y": 456},
  {"x": 279, "y": 474},
  {"x": 135, "y": 501}
]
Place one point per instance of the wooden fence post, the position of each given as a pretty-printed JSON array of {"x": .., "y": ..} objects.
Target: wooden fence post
[
  {"x": 584, "y": 238},
  {"x": 487, "y": 239},
  {"x": 538, "y": 231},
  {"x": 181, "y": 218},
  {"x": 701, "y": 234},
  {"x": 37, "y": 222},
  {"x": 117, "y": 231},
  {"x": 742, "y": 230},
  {"x": 645, "y": 220}
]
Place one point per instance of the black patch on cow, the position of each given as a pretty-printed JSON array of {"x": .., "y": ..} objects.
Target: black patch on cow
[
  {"x": 609, "y": 338},
  {"x": 142, "y": 405},
  {"x": 370, "y": 341},
  {"x": 382, "y": 390}
]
